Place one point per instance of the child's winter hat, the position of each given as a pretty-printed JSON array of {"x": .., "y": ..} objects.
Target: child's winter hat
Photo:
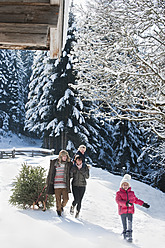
[
  {"x": 82, "y": 147},
  {"x": 126, "y": 179}
]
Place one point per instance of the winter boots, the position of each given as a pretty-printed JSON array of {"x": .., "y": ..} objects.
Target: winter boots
[
  {"x": 77, "y": 214},
  {"x": 59, "y": 213},
  {"x": 124, "y": 234},
  {"x": 72, "y": 210},
  {"x": 127, "y": 235}
]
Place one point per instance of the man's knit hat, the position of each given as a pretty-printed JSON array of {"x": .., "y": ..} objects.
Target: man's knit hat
[{"x": 126, "y": 179}]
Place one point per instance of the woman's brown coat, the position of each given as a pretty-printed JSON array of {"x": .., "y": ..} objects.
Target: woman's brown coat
[{"x": 51, "y": 175}]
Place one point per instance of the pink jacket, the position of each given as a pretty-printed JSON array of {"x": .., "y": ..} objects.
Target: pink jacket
[{"x": 122, "y": 196}]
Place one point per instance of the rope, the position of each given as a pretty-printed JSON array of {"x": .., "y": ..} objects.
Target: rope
[{"x": 41, "y": 194}]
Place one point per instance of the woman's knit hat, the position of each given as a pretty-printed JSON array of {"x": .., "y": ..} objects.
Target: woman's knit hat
[{"x": 126, "y": 179}]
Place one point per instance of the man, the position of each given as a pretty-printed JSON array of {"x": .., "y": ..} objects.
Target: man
[{"x": 58, "y": 180}]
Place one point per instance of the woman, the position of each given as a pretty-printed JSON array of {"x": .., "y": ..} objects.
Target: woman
[
  {"x": 58, "y": 180},
  {"x": 79, "y": 172}
]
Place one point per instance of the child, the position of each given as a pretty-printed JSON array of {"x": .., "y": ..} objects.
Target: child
[
  {"x": 82, "y": 153},
  {"x": 125, "y": 199}
]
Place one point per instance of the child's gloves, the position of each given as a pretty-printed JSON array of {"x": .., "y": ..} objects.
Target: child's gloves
[
  {"x": 146, "y": 205},
  {"x": 128, "y": 204}
]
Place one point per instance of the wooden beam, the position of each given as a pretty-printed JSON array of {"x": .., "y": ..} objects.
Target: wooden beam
[
  {"x": 23, "y": 47},
  {"x": 24, "y": 39},
  {"x": 25, "y": 1},
  {"x": 24, "y": 34},
  {"x": 40, "y": 14},
  {"x": 23, "y": 28}
]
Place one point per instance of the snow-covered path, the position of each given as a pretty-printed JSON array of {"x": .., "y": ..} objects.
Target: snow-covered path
[{"x": 99, "y": 224}]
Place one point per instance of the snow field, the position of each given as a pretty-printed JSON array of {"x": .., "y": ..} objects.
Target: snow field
[{"x": 99, "y": 224}]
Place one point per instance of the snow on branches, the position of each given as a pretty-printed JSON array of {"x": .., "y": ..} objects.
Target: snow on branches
[{"x": 120, "y": 51}]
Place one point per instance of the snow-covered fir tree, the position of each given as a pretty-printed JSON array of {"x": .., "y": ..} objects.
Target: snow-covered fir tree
[
  {"x": 152, "y": 159},
  {"x": 52, "y": 109},
  {"x": 34, "y": 122},
  {"x": 12, "y": 87},
  {"x": 100, "y": 146},
  {"x": 4, "y": 92},
  {"x": 24, "y": 63},
  {"x": 127, "y": 147},
  {"x": 64, "y": 128},
  {"x": 59, "y": 114}
]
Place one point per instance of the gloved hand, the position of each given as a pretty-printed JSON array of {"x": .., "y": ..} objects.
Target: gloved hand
[
  {"x": 146, "y": 205},
  {"x": 128, "y": 204}
]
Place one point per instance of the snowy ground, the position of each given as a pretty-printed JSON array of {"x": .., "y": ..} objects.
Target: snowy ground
[
  {"x": 18, "y": 141},
  {"x": 99, "y": 224}
]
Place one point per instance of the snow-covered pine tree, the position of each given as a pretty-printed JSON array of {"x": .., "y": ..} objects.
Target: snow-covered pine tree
[
  {"x": 127, "y": 147},
  {"x": 62, "y": 112},
  {"x": 52, "y": 106},
  {"x": 24, "y": 64},
  {"x": 100, "y": 144},
  {"x": 64, "y": 121},
  {"x": 13, "y": 90},
  {"x": 4, "y": 92},
  {"x": 11, "y": 94},
  {"x": 33, "y": 121},
  {"x": 152, "y": 159},
  {"x": 70, "y": 126}
]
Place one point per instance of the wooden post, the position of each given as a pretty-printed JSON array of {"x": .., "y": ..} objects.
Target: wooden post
[
  {"x": 13, "y": 153},
  {"x": 54, "y": 46},
  {"x": 52, "y": 151},
  {"x": 56, "y": 34},
  {"x": 1, "y": 155},
  {"x": 54, "y": 43}
]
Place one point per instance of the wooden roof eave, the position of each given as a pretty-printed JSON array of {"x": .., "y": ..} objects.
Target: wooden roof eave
[{"x": 34, "y": 24}]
